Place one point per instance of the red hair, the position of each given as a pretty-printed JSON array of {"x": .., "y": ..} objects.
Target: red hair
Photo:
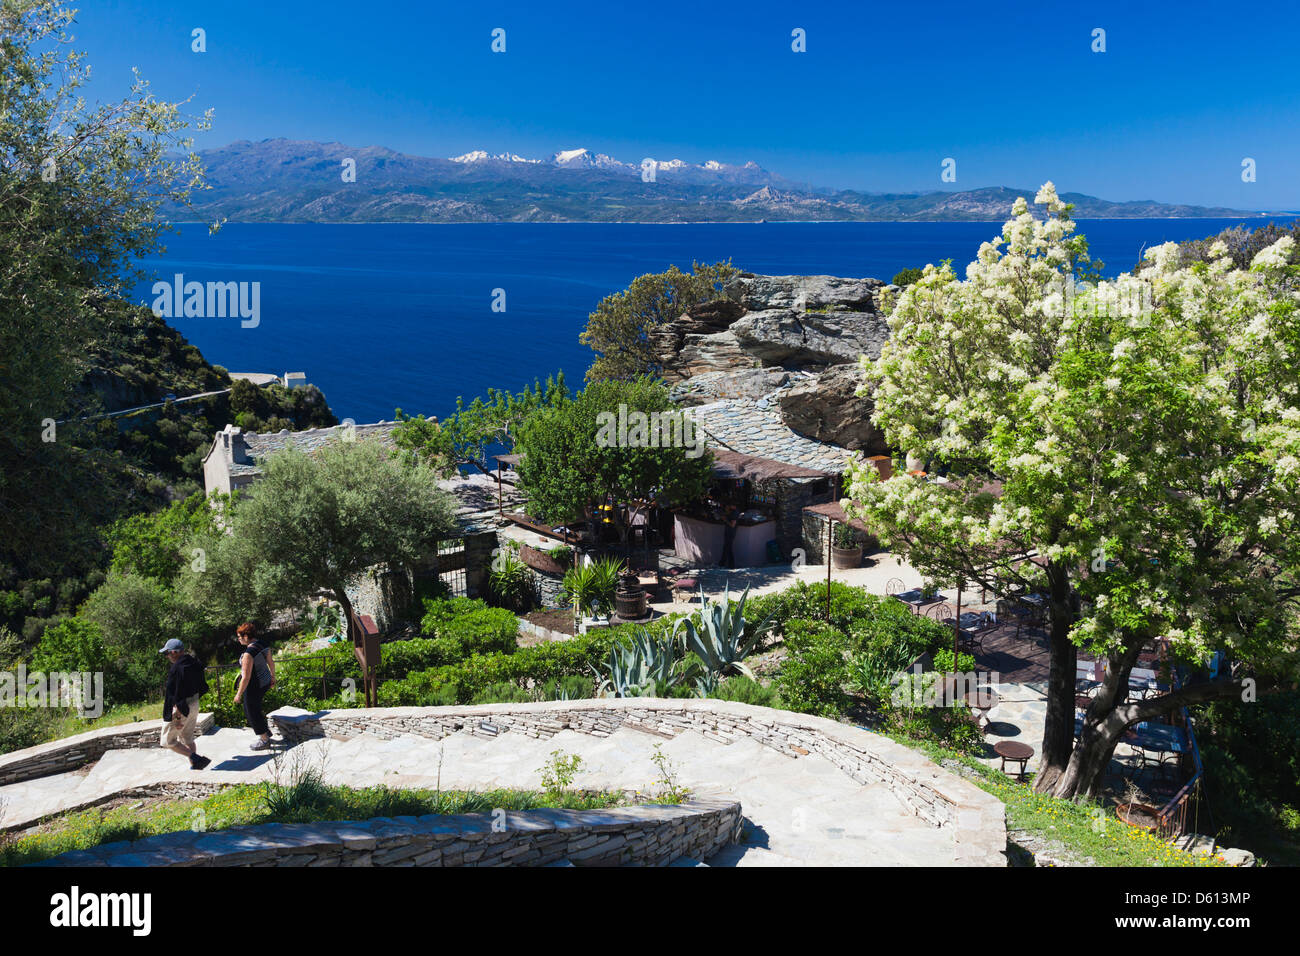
[{"x": 246, "y": 629}]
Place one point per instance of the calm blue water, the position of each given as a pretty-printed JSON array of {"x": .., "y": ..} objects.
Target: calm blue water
[{"x": 388, "y": 315}]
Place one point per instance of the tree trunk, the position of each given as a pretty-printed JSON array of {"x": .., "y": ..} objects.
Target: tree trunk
[
  {"x": 341, "y": 594},
  {"x": 1110, "y": 715},
  {"x": 1058, "y": 727}
]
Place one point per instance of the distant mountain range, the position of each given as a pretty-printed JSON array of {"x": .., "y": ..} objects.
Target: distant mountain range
[{"x": 280, "y": 180}]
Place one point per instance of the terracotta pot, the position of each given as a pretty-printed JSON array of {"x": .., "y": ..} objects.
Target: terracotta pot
[
  {"x": 1140, "y": 816},
  {"x": 845, "y": 557}
]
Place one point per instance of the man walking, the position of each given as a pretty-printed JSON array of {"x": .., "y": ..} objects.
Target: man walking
[{"x": 185, "y": 685}]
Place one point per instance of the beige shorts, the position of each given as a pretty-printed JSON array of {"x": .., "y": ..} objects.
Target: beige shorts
[{"x": 181, "y": 729}]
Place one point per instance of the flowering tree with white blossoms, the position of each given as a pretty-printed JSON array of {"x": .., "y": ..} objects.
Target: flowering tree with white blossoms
[{"x": 1138, "y": 440}]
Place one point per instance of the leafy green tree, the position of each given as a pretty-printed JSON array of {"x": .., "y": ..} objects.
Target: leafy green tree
[
  {"x": 136, "y": 616},
  {"x": 80, "y": 186},
  {"x": 906, "y": 277},
  {"x": 315, "y": 522},
  {"x": 76, "y": 644},
  {"x": 477, "y": 430},
  {"x": 575, "y": 456},
  {"x": 152, "y": 544},
  {"x": 1144, "y": 437},
  {"x": 619, "y": 330}
]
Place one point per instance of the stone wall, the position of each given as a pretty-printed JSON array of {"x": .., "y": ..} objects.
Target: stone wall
[
  {"x": 792, "y": 497},
  {"x": 170, "y": 789},
  {"x": 935, "y": 795},
  {"x": 649, "y": 835},
  {"x": 60, "y": 756}
]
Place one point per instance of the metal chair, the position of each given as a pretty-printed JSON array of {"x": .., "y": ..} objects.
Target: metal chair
[
  {"x": 894, "y": 586},
  {"x": 940, "y": 612}
]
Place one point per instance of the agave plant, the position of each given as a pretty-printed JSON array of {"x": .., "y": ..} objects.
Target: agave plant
[
  {"x": 625, "y": 673},
  {"x": 644, "y": 667},
  {"x": 719, "y": 638}
]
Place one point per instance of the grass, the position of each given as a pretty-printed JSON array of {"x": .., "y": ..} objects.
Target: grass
[
  {"x": 58, "y": 725},
  {"x": 1086, "y": 831},
  {"x": 305, "y": 801}
]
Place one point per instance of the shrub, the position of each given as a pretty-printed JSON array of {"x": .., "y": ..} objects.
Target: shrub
[
  {"x": 74, "y": 644},
  {"x": 743, "y": 690},
  {"x": 813, "y": 676},
  {"x": 511, "y": 582},
  {"x": 136, "y": 616},
  {"x": 808, "y": 601}
]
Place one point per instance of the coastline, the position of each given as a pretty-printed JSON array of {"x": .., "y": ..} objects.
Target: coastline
[{"x": 716, "y": 222}]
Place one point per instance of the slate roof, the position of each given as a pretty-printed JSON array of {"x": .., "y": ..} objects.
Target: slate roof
[
  {"x": 754, "y": 427},
  {"x": 258, "y": 446}
]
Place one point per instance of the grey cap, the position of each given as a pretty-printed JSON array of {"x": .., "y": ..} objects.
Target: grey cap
[{"x": 172, "y": 645}]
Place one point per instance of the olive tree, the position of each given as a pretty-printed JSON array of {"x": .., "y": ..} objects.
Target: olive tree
[{"x": 314, "y": 522}]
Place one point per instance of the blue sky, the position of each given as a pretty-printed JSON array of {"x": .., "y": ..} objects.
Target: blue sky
[{"x": 884, "y": 93}]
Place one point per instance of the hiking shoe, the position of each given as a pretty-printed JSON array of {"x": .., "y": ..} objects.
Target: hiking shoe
[
  {"x": 260, "y": 744},
  {"x": 198, "y": 763}
]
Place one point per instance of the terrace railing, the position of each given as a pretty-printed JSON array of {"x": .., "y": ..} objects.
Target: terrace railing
[{"x": 1172, "y": 817}]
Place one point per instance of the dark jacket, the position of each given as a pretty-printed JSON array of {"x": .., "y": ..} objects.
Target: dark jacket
[{"x": 184, "y": 680}]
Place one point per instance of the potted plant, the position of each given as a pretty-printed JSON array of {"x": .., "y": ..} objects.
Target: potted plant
[
  {"x": 1136, "y": 812},
  {"x": 630, "y": 600},
  {"x": 590, "y": 588},
  {"x": 846, "y": 549},
  {"x": 511, "y": 581}
]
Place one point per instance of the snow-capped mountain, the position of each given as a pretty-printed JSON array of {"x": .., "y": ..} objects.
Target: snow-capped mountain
[
  {"x": 586, "y": 159},
  {"x": 582, "y": 158},
  {"x": 482, "y": 156},
  {"x": 282, "y": 180}
]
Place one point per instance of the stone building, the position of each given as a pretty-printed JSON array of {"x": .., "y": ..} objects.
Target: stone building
[{"x": 235, "y": 462}]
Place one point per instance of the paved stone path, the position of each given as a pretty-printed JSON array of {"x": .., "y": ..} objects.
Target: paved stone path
[{"x": 799, "y": 811}]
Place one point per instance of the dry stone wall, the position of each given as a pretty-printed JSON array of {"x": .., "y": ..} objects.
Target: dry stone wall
[
  {"x": 649, "y": 835},
  {"x": 60, "y": 756}
]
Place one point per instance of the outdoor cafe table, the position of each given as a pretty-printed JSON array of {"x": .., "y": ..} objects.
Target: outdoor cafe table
[
  {"x": 1014, "y": 751},
  {"x": 980, "y": 702},
  {"x": 976, "y": 621},
  {"x": 916, "y": 599},
  {"x": 973, "y": 626},
  {"x": 1165, "y": 740}
]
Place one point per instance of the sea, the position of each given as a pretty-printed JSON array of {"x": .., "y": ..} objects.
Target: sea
[{"x": 391, "y": 315}]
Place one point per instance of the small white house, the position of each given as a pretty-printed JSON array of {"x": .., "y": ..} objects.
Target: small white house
[{"x": 235, "y": 459}]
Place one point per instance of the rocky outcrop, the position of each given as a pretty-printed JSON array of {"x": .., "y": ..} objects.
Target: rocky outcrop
[
  {"x": 803, "y": 293},
  {"x": 802, "y": 340},
  {"x": 829, "y": 409},
  {"x": 790, "y": 343},
  {"x": 708, "y": 387}
]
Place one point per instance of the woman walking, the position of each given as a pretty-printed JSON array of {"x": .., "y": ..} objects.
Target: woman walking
[{"x": 256, "y": 677}]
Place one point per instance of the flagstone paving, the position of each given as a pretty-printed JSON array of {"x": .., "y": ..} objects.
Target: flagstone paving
[{"x": 798, "y": 811}]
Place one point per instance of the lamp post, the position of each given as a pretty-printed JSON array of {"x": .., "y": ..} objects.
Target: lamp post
[{"x": 830, "y": 533}]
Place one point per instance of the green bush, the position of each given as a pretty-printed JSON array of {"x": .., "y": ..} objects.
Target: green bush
[
  {"x": 469, "y": 620},
  {"x": 1251, "y": 752},
  {"x": 743, "y": 690},
  {"x": 808, "y": 601},
  {"x": 74, "y": 644},
  {"x": 543, "y": 665},
  {"x": 816, "y": 670}
]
